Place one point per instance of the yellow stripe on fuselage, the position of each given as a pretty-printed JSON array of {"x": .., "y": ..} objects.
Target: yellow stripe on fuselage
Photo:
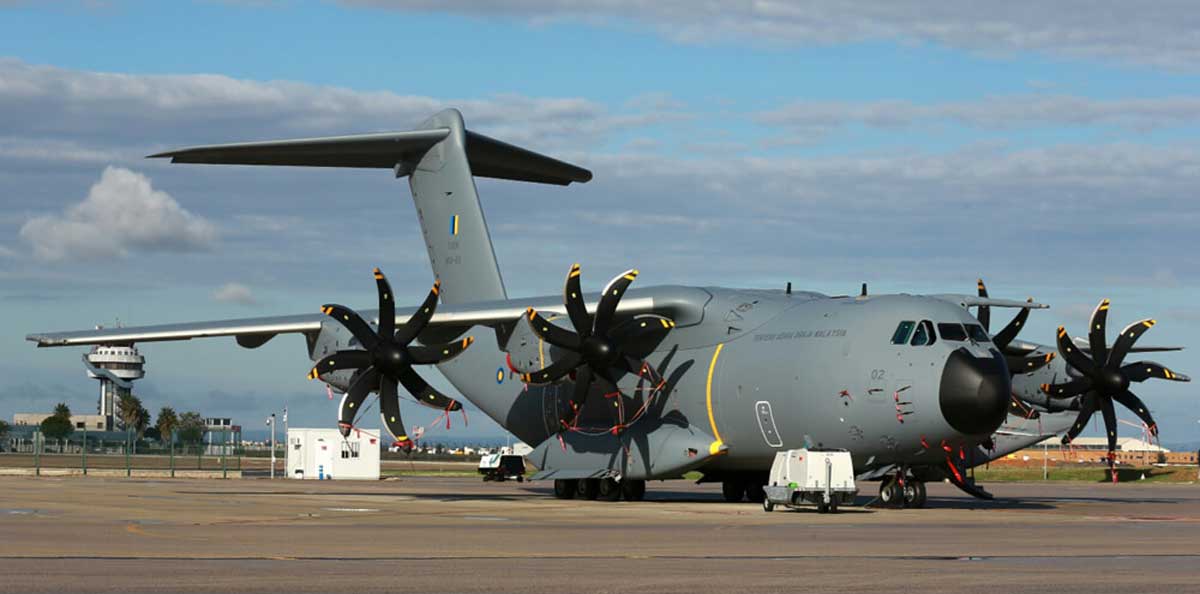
[{"x": 712, "y": 421}]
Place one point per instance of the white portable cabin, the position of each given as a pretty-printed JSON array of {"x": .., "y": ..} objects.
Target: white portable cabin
[{"x": 323, "y": 454}]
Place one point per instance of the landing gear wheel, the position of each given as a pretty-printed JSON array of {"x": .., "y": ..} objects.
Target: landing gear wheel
[
  {"x": 914, "y": 494},
  {"x": 889, "y": 493},
  {"x": 565, "y": 488},
  {"x": 768, "y": 506},
  {"x": 633, "y": 490},
  {"x": 609, "y": 490},
  {"x": 733, "y": 490},
  {"x": 755, "y": 492},
  {"x": 588, "y": 489}
]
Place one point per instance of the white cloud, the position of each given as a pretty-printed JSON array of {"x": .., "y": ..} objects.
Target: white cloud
[
  {"x": 235, "y": 293},
  {"x": 992, "y": 113},
  {"x": 122, "y": 212},
  {"x": 998, "y": 202},
  {"x": 193, "y": 108},
  {"x": 1162, "y": 33}
]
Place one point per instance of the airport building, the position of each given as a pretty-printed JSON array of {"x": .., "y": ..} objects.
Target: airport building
[
  {"x": 220, "y": 432},
  {"x": 1130, "y": 450},
  {"x": 80, "y": 422},
  {"x": 115, "y": 366}
]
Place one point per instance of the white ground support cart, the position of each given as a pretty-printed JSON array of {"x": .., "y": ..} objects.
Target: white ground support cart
[
  {"x": 502, "y": 467},
  {"x": 822, "y": 477}
]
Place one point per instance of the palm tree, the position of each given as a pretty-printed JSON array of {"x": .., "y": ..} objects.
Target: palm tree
[
  {"x": 167, "y": 421},
  {"x": 132, "y": 414}
]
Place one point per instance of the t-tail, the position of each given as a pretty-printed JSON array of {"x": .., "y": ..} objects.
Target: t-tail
[{"x": 440, "y": 158}]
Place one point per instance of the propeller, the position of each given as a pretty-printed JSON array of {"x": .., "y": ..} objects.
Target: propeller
[
  {"x": 596, "y": 349},
  {"x": 387, "y": 358},
  {"x": 1103, "y": 379},
  {"x": 1003, "y": 338}
]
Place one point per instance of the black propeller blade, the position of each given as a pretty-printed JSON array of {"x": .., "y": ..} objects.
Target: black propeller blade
[
  {"x": 1003, "y": 338},
  {"x": 387, "y": 359},
  {"x": 597, "y": 349},
  {"x": 1103, "y": 379}
]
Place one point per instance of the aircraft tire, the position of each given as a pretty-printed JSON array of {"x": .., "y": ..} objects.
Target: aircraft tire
[
  {"x": 733, "y": 490},
  {"x": 588, "y": 489},
  {"x": 633, "y": 490},
  {"x": 565, "y": 488},
  {"x": 755, "y": 492},
  {"x": 609, "y": 490},
  {"x": 914, "y": 494},
  {"x": 889, "y": 493},
  {"x": 768, "y": 505}
]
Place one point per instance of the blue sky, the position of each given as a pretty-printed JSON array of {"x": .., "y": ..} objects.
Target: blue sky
[{"x": 1050, "y": 149}]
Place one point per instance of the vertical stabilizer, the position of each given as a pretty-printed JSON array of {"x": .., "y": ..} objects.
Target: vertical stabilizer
[{"x": 452, "y": 222}]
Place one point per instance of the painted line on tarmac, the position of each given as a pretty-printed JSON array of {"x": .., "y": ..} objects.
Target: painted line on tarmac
[{"x": 617, "y": 557}]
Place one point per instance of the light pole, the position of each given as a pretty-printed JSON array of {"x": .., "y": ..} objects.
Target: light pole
[
  {"x": 286, "y": 448},
  {"x": 271, "y": 422},
  {"x": 1045, "y": 471}
]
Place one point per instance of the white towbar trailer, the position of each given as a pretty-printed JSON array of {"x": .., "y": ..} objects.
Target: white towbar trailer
[{"x": 821, "y": 477}]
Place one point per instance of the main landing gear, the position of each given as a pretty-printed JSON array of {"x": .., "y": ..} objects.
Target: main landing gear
[
  {"x": 606, "y": 489},
  {"x": 744, "y": 488},
  {"x": 908, "y": 492}
]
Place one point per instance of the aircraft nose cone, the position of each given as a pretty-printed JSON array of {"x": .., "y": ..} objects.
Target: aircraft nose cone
[{"x": 974, "y": 392}]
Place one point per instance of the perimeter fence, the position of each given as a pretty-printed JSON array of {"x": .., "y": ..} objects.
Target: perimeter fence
[{"x": 104, "y": 455}]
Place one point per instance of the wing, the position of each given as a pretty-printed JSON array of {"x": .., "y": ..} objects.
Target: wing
[
  {"x": 974, "y": 300},
  {"x": 684, "y": 305},
  {"x": 1024, "y": 347}
]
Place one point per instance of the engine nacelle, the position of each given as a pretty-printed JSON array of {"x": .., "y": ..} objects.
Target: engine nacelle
[
  {"x": 527, "y": 352},
  {"x": 331, "y": 338}
]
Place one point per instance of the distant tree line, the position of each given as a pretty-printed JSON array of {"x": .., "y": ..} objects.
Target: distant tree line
[{"x": 133, "y": 418}]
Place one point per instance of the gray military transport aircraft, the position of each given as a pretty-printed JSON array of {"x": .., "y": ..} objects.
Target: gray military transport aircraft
[{"x": 629, "y": 385}]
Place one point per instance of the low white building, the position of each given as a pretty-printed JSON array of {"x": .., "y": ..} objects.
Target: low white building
[
  {"x": 1124, "y": 444},
  {"x": 323, "y": 454}
]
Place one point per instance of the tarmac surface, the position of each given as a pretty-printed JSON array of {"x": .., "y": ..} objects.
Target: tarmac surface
[{"x": 461, "y": 535}]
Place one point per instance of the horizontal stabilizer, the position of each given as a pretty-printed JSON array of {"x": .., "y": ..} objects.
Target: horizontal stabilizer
[
  {"x": 383, "y": 150},
  {"x": 401, "y": 151}
]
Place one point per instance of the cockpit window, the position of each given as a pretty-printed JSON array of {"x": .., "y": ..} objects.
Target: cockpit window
[
  {"x": 902, "y": 331},
  {"x": 977, "y": 333},
  {"x": 953, "y": 332},
  {"x": 924, "y": 334}
]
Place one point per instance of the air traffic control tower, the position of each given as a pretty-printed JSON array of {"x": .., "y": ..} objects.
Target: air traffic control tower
[{"x": 116, "y": 366}]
